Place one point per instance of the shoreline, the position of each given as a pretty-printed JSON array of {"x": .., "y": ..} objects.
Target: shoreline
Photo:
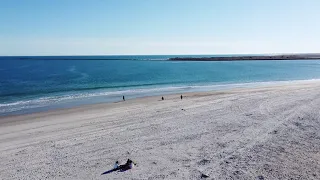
[
  {"x": 155, "y": 98},
  {"x": 179, "y": 90},
  {"x": 244, "y": 133}
]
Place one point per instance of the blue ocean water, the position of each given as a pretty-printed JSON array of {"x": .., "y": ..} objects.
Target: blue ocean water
[{"x": 32, "y": 84}]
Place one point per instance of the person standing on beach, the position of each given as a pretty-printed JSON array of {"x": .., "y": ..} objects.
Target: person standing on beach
[
  {"x": 181, "y": 96},
  {"x": 162, "y": 98},
  {"x": 123, "y": 98}
]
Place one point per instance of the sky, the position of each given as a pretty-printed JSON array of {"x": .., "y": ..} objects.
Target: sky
[{"x": 156, "y": 27}]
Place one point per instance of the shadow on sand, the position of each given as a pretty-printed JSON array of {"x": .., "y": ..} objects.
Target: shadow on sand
[{"x": 122, "y": 168}]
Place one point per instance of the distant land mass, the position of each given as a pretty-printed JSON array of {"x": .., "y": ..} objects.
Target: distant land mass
[{"x": 250, "y": 57}]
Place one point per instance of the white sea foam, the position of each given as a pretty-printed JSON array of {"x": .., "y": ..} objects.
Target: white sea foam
[{"x": 56, "y": 99}]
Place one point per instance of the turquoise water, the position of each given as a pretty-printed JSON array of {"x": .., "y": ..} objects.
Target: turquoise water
[{"x": 32, "y": 84}]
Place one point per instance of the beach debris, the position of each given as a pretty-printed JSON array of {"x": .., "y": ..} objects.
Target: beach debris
[
  {"x": 204, "y": 176},
  {"x": 204, "y": 162},
  {"x": 237, "y": 172},
  {"x": 232, "y": 157},
  {"x": 297, "y": 124},
  {"x": 260, "y": 178}
]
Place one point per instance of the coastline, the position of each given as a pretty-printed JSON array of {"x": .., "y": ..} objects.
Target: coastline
[
  {"x": 251, "y": 57},
  {"x": 174, "y": 91},
  {"x": 76, "y": 83},
  {"x": 242, "y": 133}
]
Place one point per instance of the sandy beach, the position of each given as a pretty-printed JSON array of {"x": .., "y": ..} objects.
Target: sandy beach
[{"x": 256, "y": 133}]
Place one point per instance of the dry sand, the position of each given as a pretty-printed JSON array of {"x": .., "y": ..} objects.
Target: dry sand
[{"x": 257, "y": 133}]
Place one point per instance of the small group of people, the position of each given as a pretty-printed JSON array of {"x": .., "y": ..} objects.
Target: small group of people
[
  {"x": 128, "y": 165},
  {"x": 124, "y": 99}
]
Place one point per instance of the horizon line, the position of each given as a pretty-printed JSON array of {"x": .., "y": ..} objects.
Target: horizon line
[{"x": 162, "y": 54}]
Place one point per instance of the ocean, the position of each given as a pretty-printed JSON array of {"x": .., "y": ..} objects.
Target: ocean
[{"x": 35, "y": 84}]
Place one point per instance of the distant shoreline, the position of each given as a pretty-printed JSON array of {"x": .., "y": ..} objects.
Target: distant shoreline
[{"x": 250, "y": 58}]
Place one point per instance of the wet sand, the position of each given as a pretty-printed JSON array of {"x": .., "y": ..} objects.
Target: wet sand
[{"x": 255, "y": 133}]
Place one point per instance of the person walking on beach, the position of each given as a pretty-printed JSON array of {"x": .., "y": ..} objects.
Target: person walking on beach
[
  {"x": 162, "y": 98},
  {"x": 181, "y": 96},
  {"x": 123, "y": 98}
]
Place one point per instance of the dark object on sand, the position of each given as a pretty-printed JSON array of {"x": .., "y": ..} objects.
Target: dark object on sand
[
  {"x": 128, "y": 165},
  {"x": 204, "y": 176},
  {"x": 123, "y": 98},
  {"x": 124, "y": 167},
  {"x": 162, "y": 98},
  {"x": 181, "y": 97}
]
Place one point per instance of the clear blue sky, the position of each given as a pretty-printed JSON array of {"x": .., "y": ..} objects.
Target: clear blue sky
[{"x": 109, "y": 27}]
